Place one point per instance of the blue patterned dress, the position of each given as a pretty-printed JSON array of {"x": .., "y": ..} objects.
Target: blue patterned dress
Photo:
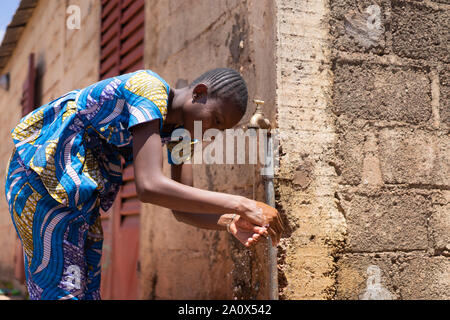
[{"x": 66, "y": 165}]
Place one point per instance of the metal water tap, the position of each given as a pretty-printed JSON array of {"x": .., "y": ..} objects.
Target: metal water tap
[{"x": 258, "y": 121}]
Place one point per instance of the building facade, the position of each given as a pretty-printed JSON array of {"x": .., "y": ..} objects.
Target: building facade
[{"x": 358, "y": 91}]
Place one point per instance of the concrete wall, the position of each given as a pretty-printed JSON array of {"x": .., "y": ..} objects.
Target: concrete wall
[
  {"x": 183, "y": 40},
  {"x": 64, "y": 60},
  {"x": 364, "y": 177},
  {"x": 306, "y": 181},
  {"x": 392, "y": 154}
]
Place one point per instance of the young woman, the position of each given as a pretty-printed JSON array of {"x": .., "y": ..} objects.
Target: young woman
[{"x": 67, "y": 164}]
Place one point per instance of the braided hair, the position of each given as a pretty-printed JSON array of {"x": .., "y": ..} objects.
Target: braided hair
[{"x": 226, "y": 84}]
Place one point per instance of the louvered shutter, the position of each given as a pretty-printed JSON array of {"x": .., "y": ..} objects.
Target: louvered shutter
[
  {"x": 29, "y": 88},
  {"x": 122, "y": 51},
  {"x": 122, "y": 40}
]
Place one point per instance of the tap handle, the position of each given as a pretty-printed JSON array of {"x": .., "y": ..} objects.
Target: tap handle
[{"x": 258, "y": 103}]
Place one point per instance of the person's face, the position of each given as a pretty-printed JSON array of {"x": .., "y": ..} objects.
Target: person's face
[{"x": 213, "y": 113}]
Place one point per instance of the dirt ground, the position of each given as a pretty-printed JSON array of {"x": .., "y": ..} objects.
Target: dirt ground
[{"x": 9, "y": 292}]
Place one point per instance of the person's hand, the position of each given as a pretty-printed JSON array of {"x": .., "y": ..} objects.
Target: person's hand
[
  {"x": 264, "y": 215},
  {"x": 246, "y": 232}
]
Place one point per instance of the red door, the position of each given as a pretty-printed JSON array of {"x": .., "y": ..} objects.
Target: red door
[{"x": 122, "y": 51}]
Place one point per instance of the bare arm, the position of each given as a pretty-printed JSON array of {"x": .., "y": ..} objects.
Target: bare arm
[
  {"x": 183, "y": 173},
  {"x": 153, "y": 187},
  {"x": 247, "y": 233}
]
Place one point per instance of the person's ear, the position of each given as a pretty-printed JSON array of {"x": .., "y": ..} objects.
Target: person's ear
[{"x": 200, "y": 92}]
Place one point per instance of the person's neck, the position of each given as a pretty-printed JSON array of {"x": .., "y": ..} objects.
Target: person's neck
[{"x": 175, "y": 106}]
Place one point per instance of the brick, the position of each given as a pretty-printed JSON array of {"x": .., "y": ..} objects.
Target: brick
[
  {"x": 414, "y": 156},
  {"x": 349, "y": 156},
  {"x": 377, "y": 92},
  {"x": 362, "y": 275},
  {"x": 421, "y": 277},
  {"x": 440, "y": 223},
  {"x": 444, "y": 105},
  {"x": 356, "y": 158},
  {"x": 385, "y": 221},
  {"x": 406, "y": 276},
  {"x": 351, "y": 28},
  {"x": 420, "y": 31}
]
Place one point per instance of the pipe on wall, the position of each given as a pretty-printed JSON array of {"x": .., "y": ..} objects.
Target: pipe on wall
[
  {"x": 258, "y": 121},
  {"x": 270, "y": 200}
]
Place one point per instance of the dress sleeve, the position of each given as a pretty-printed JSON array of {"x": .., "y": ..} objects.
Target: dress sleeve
[
  {"x": 147, "y": 97},
  {"x": 169, "y": 157}
]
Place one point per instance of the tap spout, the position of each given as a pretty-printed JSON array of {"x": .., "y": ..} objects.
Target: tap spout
[{"x": 258, "y": 121}]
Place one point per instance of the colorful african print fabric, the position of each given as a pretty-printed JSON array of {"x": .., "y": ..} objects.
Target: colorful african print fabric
[{"x": 67, "y": 164}]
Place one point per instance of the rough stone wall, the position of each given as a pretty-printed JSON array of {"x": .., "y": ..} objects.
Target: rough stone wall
[
  {"x": 390, "y": 103},
  {"x": 61, "y": 56},
  {"x": 365, "y": 164},
  {"x": 183, "y": 40},
  {"x": 365, "y": 160}
]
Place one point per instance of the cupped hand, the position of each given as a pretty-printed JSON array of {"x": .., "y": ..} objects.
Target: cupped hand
[
  {"x": 264, "y": 215},
  {"x": 246, "y": 232}
]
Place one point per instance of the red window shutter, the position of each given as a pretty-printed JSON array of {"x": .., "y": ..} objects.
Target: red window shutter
[
  {"x": 122, "y": 51},
  {"x": 130, "y": 203},
  {"x": 29, "y": 88},
  {"x": 122, "y": 37}
]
